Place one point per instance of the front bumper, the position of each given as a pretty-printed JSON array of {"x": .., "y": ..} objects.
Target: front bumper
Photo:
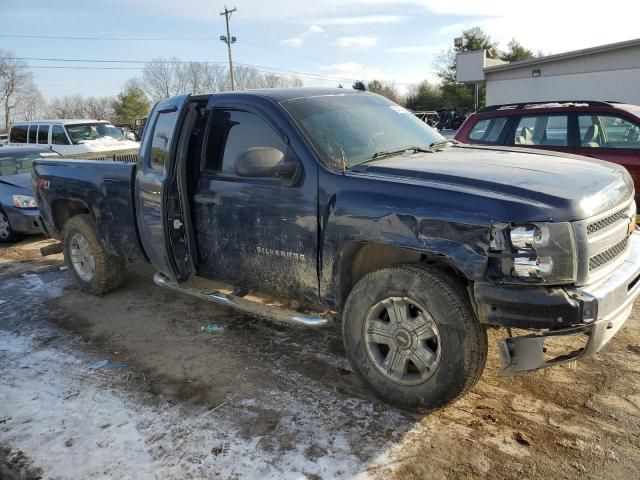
[
  {"x": 23, "y": 220},
  {"x": 592, "y": 312}
]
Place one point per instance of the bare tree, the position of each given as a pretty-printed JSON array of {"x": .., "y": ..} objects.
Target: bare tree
[
  {"x": 14, "y": 80},
  {"x": 99, "y": 108},
  {"x": 66, "y": 107},
  {"x": 247, "y": 78},
  {"x": 165, "y": 78},
  {"x": 216, "y": 79},
  {"x": 31, "y": 103},
  {"x": 160, "y": 79}
]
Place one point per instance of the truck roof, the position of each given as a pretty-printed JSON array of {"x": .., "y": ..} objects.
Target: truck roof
[
  {"x": 284, "y": 94},
  {"x": 61, "y": 121}
]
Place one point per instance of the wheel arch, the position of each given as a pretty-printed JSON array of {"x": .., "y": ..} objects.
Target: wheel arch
[
  {"x": 62, "y": 210},
  {"x": 356, "y": 259}
]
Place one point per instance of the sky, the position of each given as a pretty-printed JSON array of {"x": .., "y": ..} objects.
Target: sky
[{"x": 334, "y": 41}]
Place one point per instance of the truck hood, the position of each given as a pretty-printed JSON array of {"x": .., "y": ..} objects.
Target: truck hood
[
  {"x": 22, "y": 180},
  {"x": 579, "y": 186},
  {"x": 109, "y": 144}
]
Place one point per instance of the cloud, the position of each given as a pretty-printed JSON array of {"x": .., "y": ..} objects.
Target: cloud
[
  {"x": 361, "y": 20},
  {"x": 355, "y": 43},
  {"x": 296, "y": 42},
  {"x": 567, "y": 29},
  {"x": 292, "y": 42},
  {"x": 417, "y": 49}
]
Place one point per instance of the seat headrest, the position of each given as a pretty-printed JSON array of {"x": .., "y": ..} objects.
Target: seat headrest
[
  {"x": 592, "y": 134},
  {"x": 527, "y": 133}
]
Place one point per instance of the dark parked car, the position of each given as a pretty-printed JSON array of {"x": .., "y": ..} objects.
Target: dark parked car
[
  {"x": 343, "y": 201},
  {"x": 18, "y": 209},
  {"x": 604, "y": 130}
]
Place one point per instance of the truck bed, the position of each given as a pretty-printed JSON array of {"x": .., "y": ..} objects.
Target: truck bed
[{"x": 103, "y": 189}]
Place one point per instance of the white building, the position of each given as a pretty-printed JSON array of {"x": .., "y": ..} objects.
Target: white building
[{"x": 608, "y": 72}]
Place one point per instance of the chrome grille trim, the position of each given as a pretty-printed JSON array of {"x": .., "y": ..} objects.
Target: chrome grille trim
[
  {"x": 594, "y": 227},
  {"x": 601, "y": 259},
  {"x": 596, "y": 240}
]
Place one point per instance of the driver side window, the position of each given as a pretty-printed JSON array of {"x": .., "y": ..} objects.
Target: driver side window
[
  {"x": 608, "y": 131},
  {"x": 232, "y": 133}
]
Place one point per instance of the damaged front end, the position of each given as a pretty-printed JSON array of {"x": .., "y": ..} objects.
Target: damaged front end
[{"x": 569, "y": 312}]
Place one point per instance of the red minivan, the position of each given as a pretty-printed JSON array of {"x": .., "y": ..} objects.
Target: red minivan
[{"x": 605, "y": 130}]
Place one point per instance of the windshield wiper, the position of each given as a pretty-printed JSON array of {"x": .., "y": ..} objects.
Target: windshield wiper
[
  {"x": 392, "y": 153},
  {"x": 443, "y": 143}
]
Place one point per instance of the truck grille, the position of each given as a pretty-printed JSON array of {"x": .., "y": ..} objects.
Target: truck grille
[
  {"x": 602, "y": 240},
  {"x": 595, "y": 227},
  {"x": 608, "y": 255},
  {"x": 117, "y": 156}
]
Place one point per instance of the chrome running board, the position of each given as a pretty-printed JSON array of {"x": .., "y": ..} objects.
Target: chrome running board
[{"x": 277, "y": 314}]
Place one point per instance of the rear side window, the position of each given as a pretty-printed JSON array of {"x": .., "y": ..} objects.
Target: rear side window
[
  {"x": 488, "y": 130},
  {"x": 233, "y": 133},
  {"x": 541, "y": 130},
  {"x": 18, "y": 134},
  {"x": 58, "y": 136},
  {"x": 33, "y": 132},
  {"x": 43, "y": 134},
  {"x": 608, "y": 131},
  {"x": 161, "y": 139}
]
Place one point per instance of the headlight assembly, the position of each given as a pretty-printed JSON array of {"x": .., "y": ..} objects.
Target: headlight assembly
[
  {"x": 24, "y": 201},
  {"x": 540, "y": 253}
]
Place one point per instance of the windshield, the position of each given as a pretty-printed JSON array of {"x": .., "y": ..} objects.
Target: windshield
[
  {"x": 359, "y": 125},
  {"x": 16, "y": 163},
  {"x": 81, "y": 132}
]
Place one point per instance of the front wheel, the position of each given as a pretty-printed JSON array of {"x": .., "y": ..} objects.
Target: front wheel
[
  {"x": 411, "y": 335},
  {"x": 92, "y": 267},
  {"x": 7, "y": 234}
]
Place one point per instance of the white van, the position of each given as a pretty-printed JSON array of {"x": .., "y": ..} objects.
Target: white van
[{"x": 71, "y": 137}]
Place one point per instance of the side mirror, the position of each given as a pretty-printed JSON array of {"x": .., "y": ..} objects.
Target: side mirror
[{"x": 264, "y": 162}]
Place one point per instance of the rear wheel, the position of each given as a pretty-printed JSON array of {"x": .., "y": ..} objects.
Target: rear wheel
[
  {"x": 7, "y": 234},
  {"x": 92, "y": 267},
  {"x": 411, "y": 335}
]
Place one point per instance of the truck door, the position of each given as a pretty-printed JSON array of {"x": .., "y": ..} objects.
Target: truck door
[
  {"x": 255, "y": 230},
  {"x": 159, "y": 214}
]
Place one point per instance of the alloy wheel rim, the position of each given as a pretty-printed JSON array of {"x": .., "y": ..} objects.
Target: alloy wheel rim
[
  {"x": 82, "y": 258},
  {"x": 4, "y": 226},
  {"x": 402, "y": 340}
]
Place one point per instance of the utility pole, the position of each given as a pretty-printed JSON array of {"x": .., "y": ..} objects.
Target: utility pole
[{"x": 228, "y": 39}]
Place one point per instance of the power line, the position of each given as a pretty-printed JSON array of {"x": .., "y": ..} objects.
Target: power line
[
  {"x": 261, "y": 68},
  {"x": 174, "y": 64},
  {"x": 258, "y": 68},
  {"x": 86, "y": 60},
  {"x": 126, "y": 39}
]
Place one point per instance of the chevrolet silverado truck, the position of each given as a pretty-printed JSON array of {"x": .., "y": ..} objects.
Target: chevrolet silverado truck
[{"x": 344, "y": 205}]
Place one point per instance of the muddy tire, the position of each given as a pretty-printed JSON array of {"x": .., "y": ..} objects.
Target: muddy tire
[
  {"x": 93, "y": 269},
  {"x": 411, "y": 335},
  {"x": 7, "y": 234}
]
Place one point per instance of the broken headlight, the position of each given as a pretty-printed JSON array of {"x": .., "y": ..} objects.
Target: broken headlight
[{"x": 540, "y": 253}]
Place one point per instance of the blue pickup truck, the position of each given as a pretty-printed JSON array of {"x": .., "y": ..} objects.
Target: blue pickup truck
[{"x": 343, "y": 202}]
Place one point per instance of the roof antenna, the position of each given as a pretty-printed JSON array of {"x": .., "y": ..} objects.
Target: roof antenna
[{"x": 343, "y": 161}]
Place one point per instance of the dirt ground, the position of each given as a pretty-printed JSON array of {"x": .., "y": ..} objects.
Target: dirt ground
[{"x": 148, "y": 383}]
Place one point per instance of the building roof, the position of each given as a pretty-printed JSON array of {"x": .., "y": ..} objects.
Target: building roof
[{"x": 564, "y": 56}]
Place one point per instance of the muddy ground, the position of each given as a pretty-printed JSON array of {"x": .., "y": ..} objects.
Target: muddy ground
[{"x": 147, "y": 383}]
